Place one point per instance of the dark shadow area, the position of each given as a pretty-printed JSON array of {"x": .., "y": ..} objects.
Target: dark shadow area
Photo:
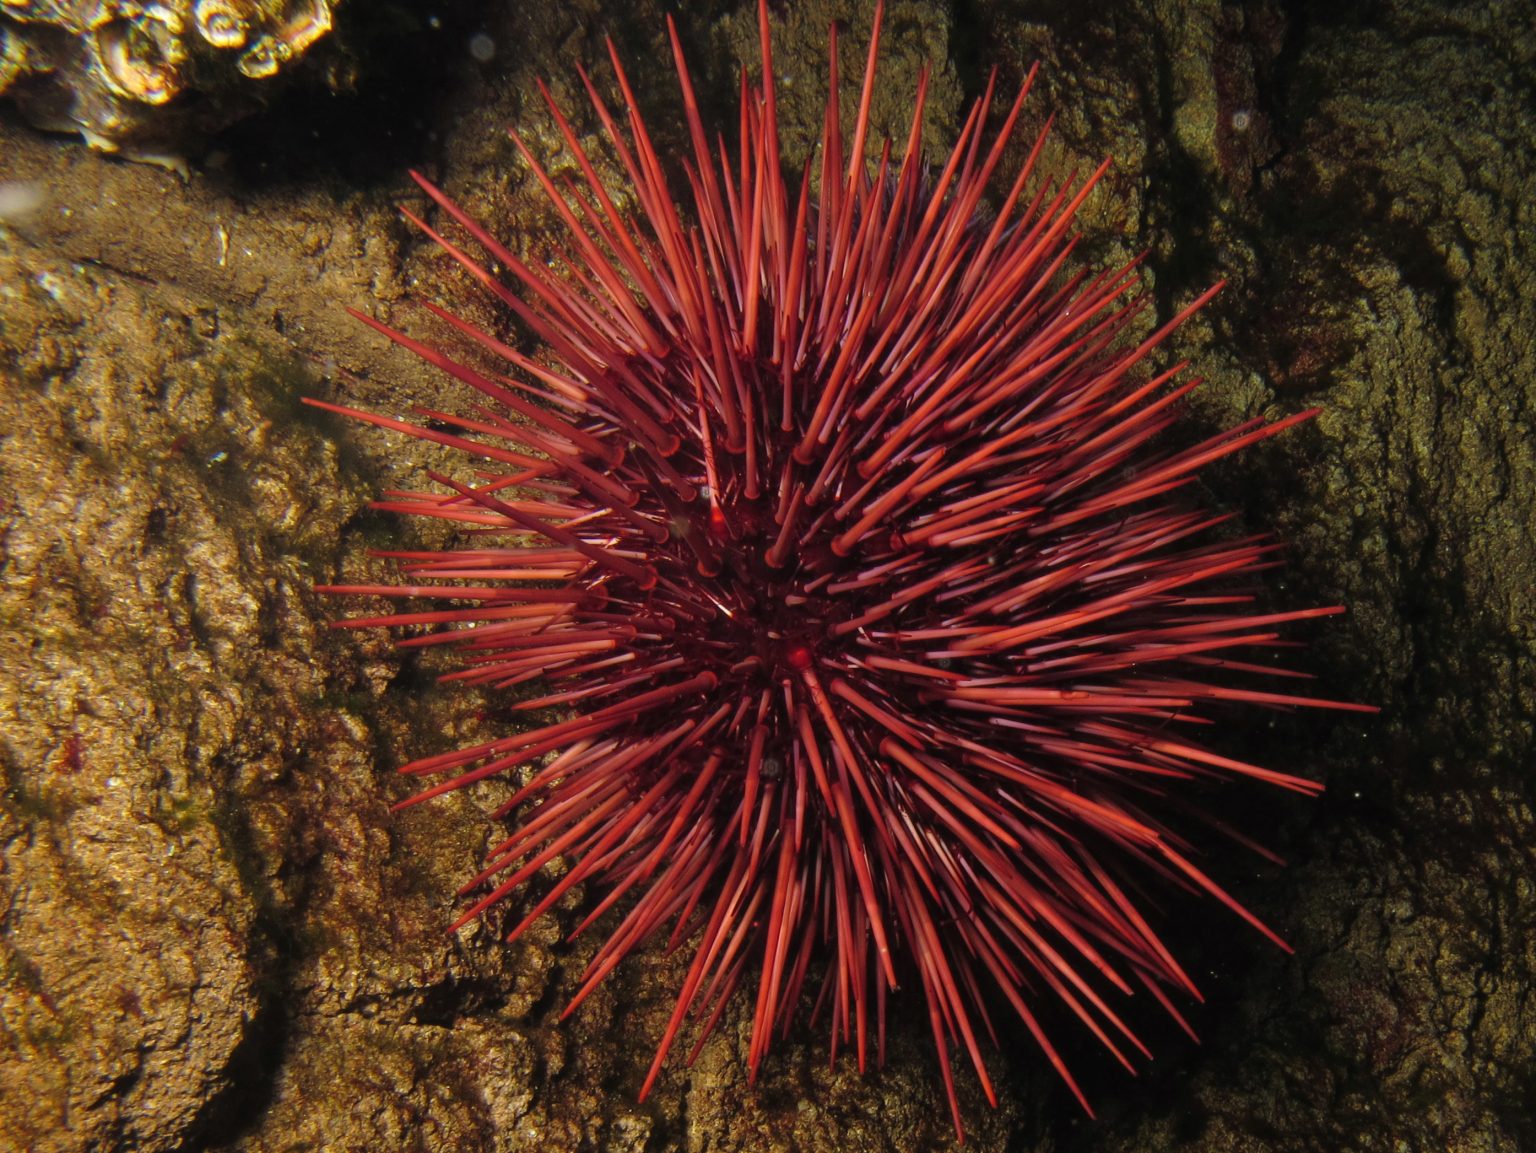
[{"x": 366, "y": 104}]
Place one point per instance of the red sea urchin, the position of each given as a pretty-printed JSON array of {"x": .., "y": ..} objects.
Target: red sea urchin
[{"x": 838, "y": 528}]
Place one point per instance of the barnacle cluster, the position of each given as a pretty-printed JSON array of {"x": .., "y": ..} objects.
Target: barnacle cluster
[{"x": 121, "y": 72}]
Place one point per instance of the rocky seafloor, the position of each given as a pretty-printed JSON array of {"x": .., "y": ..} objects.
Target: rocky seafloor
[{"x": 214, "y": 935}]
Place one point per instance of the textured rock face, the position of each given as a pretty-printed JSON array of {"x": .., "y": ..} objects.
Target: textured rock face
[
  {"x": 148, "y": 642},
  {"x": 148, "y": 79},
  {"x": 213, "y": 934}
]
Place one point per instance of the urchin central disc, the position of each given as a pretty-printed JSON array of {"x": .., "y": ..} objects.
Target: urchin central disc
[{"x": 764, "y": 622}]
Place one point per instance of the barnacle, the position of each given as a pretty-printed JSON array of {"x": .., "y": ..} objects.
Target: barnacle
[
  {"x": 139, "y": 59},
  {"x": 302, "y": 27},
  {"x": 114, "y": 70},
  {"x": 308, "y": 21},
  {"x": 223, "y": 23}
]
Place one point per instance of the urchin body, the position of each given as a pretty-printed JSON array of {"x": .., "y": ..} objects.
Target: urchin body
[{"x": 839, "y": 529}]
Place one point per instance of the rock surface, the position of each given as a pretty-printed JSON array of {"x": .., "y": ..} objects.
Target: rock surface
[{"x": 213, "y": 934}]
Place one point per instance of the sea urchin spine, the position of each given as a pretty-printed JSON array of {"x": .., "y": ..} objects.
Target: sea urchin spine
[{"x": 839, "y": 527}]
